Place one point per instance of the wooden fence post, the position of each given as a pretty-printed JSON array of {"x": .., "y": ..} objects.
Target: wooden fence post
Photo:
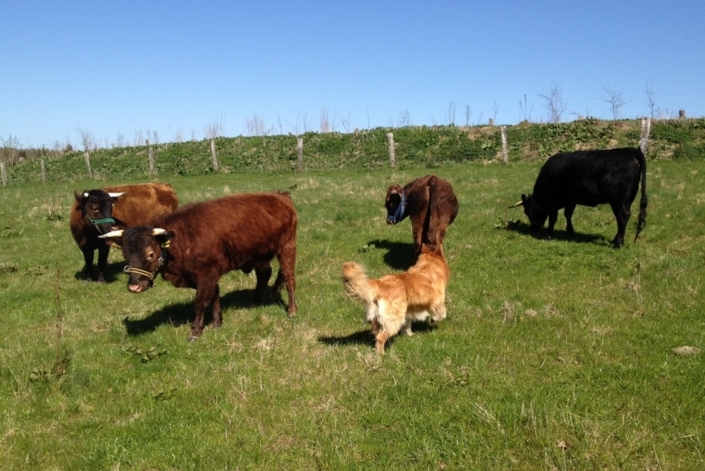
[
  {"x": 390, "y": 143},
  {"x": 150, "y": 153},
  {"x": 87, "y": 158},
  {"x": 299, "y": 153},
  {"x": 505, "y": 151},
  {"x": 214, "y": 155},
  {"x": 645, "y": 131},
  {"x": 4, "y": 173},
  {"x": 44, "y": 173}
]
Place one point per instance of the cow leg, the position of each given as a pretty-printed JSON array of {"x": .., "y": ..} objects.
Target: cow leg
[
  {"x": 287, "y": 271},
  {"x": 437, "y": 232},
  {"x": 552, "y": 218},
  {"x": 569, "y": 218},
  {"x": 206, "y": 291},
  {"x": 217, "y": 312},
  {"x": 264, "y": 273},
  {"x": 417, "y": 229},
  {"x": 87, "y": 274},
  {"x": 622, "y": 213},
  {"x": 103, "y": 251}
]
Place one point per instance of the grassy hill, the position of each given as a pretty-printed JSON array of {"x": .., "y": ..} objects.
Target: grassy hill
[{"x": 415, "y": 147}]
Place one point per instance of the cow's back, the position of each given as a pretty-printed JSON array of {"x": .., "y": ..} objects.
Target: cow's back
[
  {"x": 139, "y": 205},
  {"x": 244, "y": 228},
  {"x": 143, "y": 203},
  {"x": 587, "y": 178}
]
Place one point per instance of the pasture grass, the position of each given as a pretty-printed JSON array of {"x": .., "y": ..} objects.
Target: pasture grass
[{"x": 555, "y": 354}]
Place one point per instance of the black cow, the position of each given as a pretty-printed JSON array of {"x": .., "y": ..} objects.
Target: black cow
[{"x": 589, "y": 178}]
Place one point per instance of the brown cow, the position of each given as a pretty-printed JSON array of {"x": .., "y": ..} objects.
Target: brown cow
[
  {"x": 196, "y": 245},
  {"x": 431, "y": 204},
  {"x": 97, "y": 212}
]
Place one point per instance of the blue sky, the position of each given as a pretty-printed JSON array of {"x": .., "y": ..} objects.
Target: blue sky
[{"x": 178, "y": 68}]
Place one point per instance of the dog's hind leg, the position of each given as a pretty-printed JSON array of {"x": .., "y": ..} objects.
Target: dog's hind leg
[{"x": 380, "y": 340}]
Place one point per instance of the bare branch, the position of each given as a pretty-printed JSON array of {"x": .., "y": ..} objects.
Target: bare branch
[
  {"x": 615, "y": 100},
  {"x": 555, "y": 105}
]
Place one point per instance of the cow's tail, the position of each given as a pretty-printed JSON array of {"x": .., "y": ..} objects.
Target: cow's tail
[
  {"x": 356, "y": 282},
  {"x": 644, "y": 202},
  {"x": 434, "y": 202}
]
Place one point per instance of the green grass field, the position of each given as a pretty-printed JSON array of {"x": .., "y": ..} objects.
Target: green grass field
[{"x": 555, "y": 354}]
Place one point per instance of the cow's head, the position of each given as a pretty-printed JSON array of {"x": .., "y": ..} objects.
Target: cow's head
[
  {"x": 537, "y": 217},
  {"x": 97, "y": 209},
  {"x": 395, "y": 202},
  {"x": 145, "y": 251}
]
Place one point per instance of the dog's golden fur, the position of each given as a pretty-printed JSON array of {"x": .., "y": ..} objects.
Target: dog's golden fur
[{"x": 395, "y": 301}]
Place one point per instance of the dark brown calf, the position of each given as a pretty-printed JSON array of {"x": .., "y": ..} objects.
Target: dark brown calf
[
  {"x": 196, "y": 245},
  {"x": 96, "y": 212},
  {"x": 430, "y": 203}
]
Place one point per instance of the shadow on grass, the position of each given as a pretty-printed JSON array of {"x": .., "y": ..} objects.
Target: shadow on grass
[
  {"x": 400, "y": 255},
  {"x": 522, "y": 228},
  {"x": 112, "y": 272},
  {"x": 184, "y": 313},
  {"x": 364, "y": 337}
]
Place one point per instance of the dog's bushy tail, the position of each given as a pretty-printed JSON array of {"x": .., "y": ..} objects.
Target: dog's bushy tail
[{"x": 356, "y": 283}]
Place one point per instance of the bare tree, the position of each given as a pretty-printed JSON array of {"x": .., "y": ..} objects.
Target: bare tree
[
  {"x": 345, "y": 122},
  {"x": 139, "y": 138},
  {"x": 10, "y": 148},
  {"x": 119, "y": 139},
  {"x": 256, "y": 126},
  {"x": 615, "y": 100},
  {"x": 555, "y": 105},
  {"x": 451, "y": 112},
  {"x": 468, "y": 113},
  {"x": 651, "y": 101},
  {"x": 179, "y": 135},
  {"x": 305, "y": 125},
  {"x": 87, "y": 138},
  {"x": 495, "y": 109},
  {"x": 324, "y": 120},
  {"x": 525, "y": 110},
  {"x": 279, "y": 122},
  {"x": 404, "y": 119},
  {"x": 214, "y": 129}
]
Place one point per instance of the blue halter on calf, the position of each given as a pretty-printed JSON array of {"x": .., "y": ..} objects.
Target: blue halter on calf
[{"x": 398, "y": 215}]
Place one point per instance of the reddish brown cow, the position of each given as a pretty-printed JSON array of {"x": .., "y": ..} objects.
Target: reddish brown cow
[
  {"x": 430, "y": 203},
  {"x": 196, "y": 245},
  {"x": 97, "y": 212}
]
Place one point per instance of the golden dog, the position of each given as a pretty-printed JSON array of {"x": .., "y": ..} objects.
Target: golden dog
[{"x": 395, "y": 301}]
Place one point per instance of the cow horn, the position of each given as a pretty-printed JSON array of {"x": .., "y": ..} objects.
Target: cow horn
[
  {"x": 158, "y": 231},
  {"x": 115, "y": 195},
  {"x": 85, "y": 194},
  {"x": 111, "y": 234},
  {"x": 520, "y": 203}
]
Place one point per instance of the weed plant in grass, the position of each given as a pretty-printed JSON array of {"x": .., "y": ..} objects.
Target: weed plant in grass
[{"x": 555, "y": 354}]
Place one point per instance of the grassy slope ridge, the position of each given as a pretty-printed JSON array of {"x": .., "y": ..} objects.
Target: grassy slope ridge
[
  {"x": 415, "y": 147},
  {"x": 555, "y": 355}
]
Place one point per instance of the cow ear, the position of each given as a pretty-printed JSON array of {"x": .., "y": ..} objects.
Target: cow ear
[{"x": 80, "y": 197}]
